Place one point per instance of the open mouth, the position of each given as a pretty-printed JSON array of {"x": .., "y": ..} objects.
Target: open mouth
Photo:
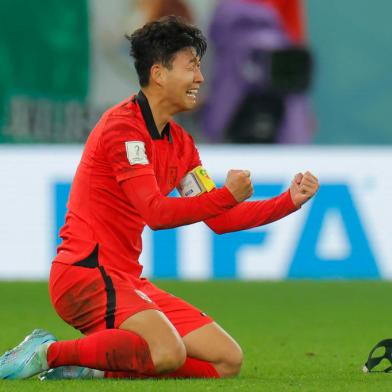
[{"x": 192, "y": 93}]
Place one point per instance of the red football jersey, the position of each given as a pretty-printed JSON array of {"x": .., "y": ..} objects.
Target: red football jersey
[
  {"x": 126, "y": 144},
  {"x": 126, "y": 171}
]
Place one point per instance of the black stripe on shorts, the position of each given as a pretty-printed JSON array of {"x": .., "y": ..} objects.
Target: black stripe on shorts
[
  {"x": 91, "y": 261},
  {"x": 111, "y": 298}
]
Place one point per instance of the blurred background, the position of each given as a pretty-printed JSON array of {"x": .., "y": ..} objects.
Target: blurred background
[{"x": 291, "y": 85}]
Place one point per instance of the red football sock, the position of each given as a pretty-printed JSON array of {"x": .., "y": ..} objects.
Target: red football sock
[
  {"x": 192, "y": 368},
  {"x": 112, "y": 349}
]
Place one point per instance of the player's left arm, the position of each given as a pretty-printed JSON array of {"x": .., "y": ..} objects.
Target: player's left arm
[{"x": 250, "y": 214}]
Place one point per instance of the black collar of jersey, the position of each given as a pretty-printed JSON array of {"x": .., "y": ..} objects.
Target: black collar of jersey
[{"x": 149, "y": 119}]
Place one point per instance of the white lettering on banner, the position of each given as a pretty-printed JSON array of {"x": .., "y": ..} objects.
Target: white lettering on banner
[
  {"x": 333, "y": 243},
  {"x": 195, "y": 252},
  {"x": 269, "y": 259},
  {"x": 145, "y": 258}
]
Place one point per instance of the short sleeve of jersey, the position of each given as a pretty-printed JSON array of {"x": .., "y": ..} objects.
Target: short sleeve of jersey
[{"x": 126, "y": 148}]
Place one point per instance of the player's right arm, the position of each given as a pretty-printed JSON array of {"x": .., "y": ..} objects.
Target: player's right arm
[
  {"x": 127, "y": 150},
  {"x": 161, "y": 212}
]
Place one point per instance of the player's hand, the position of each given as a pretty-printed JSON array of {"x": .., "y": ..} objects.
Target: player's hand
[
  {"x": 239, "y": 184},
  {"x": 303, "y": 187}
]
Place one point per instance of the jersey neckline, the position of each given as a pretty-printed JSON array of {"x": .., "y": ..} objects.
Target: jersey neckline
[{"x": 145, "y": 108}]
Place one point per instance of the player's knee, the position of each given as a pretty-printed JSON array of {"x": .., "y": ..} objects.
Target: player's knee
[
  {"x": 231, "y": 363},
  {"x": 170, "y": 357}
]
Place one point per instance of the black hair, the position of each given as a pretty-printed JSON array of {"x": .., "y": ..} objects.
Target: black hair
[{"x": 159, "y": 41}]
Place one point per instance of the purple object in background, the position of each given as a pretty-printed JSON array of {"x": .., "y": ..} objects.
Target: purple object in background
[{"x": 239, "y": 29}]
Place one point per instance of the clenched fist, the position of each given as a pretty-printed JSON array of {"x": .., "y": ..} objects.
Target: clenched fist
[
  {"x": 239, "y": 184},
  {"x": 303, "y": 187}
]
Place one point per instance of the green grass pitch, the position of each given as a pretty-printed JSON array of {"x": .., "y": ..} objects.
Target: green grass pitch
[{"x": 296, "y": 335}]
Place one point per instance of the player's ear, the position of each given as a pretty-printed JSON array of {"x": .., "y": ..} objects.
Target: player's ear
[{"x": 158, "y": 74}]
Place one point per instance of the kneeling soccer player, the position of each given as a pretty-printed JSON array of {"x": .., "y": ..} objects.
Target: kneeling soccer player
[{"x": 135, "y": 156}]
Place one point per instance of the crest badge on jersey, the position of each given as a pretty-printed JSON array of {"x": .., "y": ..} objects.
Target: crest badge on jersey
[{"x": 136, "y": 153}]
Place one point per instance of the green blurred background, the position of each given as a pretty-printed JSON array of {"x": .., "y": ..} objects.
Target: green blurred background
[{"x": 352, "y": 94}]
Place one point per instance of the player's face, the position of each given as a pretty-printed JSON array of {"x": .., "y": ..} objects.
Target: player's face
[{"x": 183, "y": 80}]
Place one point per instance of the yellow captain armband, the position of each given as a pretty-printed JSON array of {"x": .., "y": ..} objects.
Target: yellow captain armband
[{"x": 196, "y": 182}]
